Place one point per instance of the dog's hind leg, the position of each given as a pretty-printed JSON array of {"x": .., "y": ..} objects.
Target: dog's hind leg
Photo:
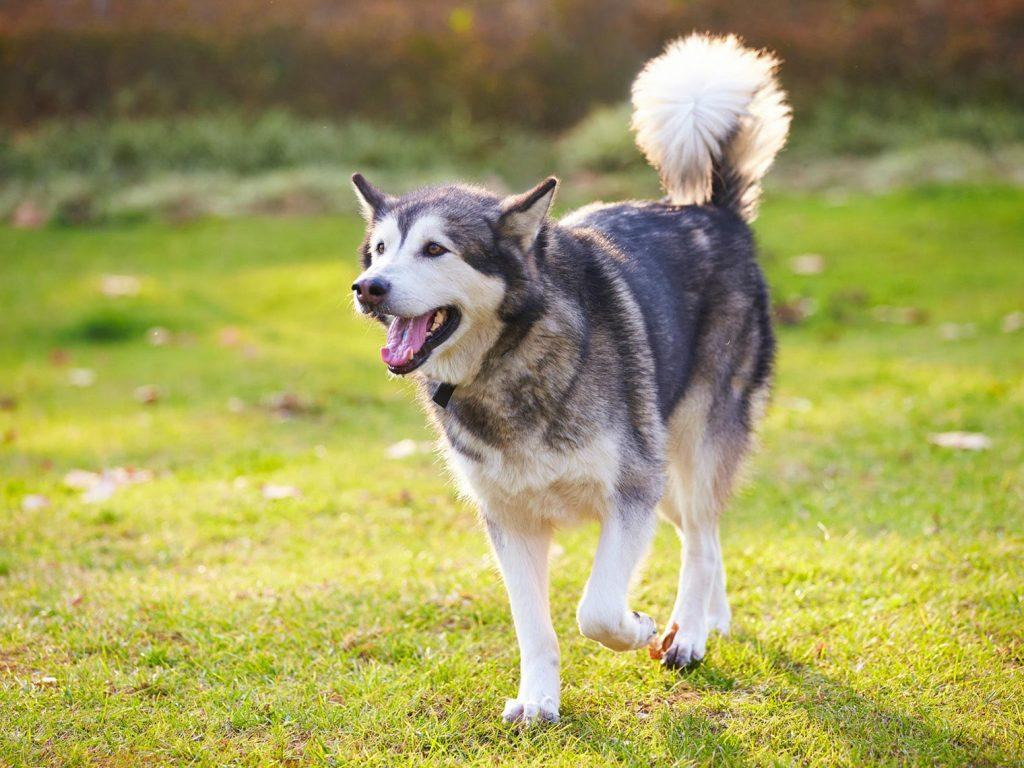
[
  {"x": 702, "y": 466},
  {"x": 523, "y": 558},
  {"x": 604, "y": 613}
]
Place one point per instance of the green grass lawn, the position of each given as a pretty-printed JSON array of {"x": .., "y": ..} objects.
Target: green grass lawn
[{"x": 877, "y": 579}]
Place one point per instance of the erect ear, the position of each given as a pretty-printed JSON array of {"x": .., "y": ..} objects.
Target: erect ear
[
  {"x": 371, "y": 199},
  {"x": 522, "y": 215}
]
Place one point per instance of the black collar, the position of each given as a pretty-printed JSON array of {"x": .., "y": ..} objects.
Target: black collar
[{"x": 443, "y": 394}]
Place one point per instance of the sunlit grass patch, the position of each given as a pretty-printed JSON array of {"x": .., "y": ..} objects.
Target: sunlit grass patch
[{"x": 194, "y": 617}]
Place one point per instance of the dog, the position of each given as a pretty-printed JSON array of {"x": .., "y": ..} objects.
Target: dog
[{"x": 602, "y": 367}]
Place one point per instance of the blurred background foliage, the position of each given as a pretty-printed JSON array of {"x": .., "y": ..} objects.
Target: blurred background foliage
[
  {"x": 537, "y": 64},
  {"x": 122, "y": 107}
]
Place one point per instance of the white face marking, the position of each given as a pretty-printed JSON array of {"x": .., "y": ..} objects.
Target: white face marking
[{"x": 421, "y": 283}]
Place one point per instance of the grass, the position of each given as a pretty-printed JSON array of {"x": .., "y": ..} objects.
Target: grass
[{"x": 876, "y": 579}]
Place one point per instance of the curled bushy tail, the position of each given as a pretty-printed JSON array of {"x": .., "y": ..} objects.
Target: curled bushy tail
[{"x": 710, "y": 116}]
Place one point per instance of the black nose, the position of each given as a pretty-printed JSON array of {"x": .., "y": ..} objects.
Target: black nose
[{"x": 371, "y": 291}]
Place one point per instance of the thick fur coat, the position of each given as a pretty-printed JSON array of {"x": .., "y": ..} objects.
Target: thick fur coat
[{"x": 599, "y": 367}]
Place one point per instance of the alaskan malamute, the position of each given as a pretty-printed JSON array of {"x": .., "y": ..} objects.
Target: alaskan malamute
[{"x": 600, "y": 366}]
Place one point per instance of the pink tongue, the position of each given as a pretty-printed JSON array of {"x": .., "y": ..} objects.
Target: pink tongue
[{"x": 405, "y": 338}]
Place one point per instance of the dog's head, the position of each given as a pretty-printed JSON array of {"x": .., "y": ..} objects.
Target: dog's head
[{"x": 445, "y": 268}]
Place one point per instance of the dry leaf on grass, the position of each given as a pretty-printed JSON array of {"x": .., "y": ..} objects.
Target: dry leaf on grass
[
  {"x": 34, "y": 501},
  {"x": 115, "y": 286},
  {"x": 795, "y": 311},
  {"x": 98, "y": 486},
  {"x": 807, "y": 264},
  {"x": 275, "y": 492},
  {"x": 28, "y": 215},
  {"x": 658, "y": 648},
  {"x": 47, "y": 681},
  {"x": 159, "y": 336},
  {"x": 964, "y": 441},
  {"x": 81, "y": 479},
  {"x": 81, "y": 377},
  {"x": 900, "y": 315},
  {"x": 147, "y": 394},
  {"x": 285, "y": 405},
  {"x": 1013, "y": 322},
  {"x": 405, "y": 448},
  {"x": 956, "y": 331},
  {"x": 102, "y": 491},
  {"x": 60, "y": 357},
  {"x": 229, "y": 336}
]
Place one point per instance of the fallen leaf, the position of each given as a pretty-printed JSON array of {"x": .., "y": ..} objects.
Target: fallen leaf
[
  {"x": 45, "y": 682},
  {"x": 964, "y": 441},
  {"x": 116, "y": 286},
  {"x": 808, "y": 264},
  {"x": 795, "y": 311},
  {"x": 900, "y": 315},
  {"x": 402, "y": 449},
  {"x": 229, "y": 336},
  {"x": 28, "y": 215},
  {"x": 76, "y": 599},
  {"x": 159, "y": 336},
  {"x": 147, "y": 394},
  {"x": 656, "y": 649},
  {"x": 60, "y": 357},
  {"x": 81, "y": 479},
  {"x": 99, "y": 487},
  {"x": 285, "y": 405},
  {"x": 102, "y": 491},
  {"x": 956, "y": 331},
  {"x": 276, "y": 492},
  {"x": 81, "y": 377},
  {"x": 1013, "y": 322},
  {"x": 34, "y": 501}
]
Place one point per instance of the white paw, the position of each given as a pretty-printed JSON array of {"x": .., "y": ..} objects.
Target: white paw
[
  {"x": 526, "y": 712},
  {"x": 688, "y": 647},
  {"x": 633, "y": 630}
]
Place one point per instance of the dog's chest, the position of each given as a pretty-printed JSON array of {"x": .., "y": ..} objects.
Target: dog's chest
[{"x": 531, "y": 479}]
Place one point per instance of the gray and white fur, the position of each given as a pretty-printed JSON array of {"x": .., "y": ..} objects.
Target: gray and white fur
[{"x": 606, "y": 365}]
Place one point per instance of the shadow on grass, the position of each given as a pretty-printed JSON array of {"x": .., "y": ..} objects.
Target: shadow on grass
[{"x": 867, "y": 731}]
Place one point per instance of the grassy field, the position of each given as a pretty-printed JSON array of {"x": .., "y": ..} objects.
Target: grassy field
[{"x": 877, "y": 579}]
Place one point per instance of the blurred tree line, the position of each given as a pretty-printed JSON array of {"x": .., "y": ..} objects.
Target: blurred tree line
[{"x": 532, "y": 63}]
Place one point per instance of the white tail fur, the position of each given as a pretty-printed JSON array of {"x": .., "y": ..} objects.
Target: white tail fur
[{"x": 710, "y": 116}]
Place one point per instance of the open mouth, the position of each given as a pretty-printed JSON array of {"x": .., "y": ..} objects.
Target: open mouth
[{"x": 412, "y": 339}]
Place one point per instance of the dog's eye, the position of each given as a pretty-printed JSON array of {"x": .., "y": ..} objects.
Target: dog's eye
[
  {"x": 380, "y": 247},
  {"x": 434, "y": 249}
]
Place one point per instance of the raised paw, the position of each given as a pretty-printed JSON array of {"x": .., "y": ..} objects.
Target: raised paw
[
  {"x": 687, "y": 649},
  {"x": 525, "y": 712},
  {"x": 625, "y": 633},
  {"x": 645, "y": 628}
]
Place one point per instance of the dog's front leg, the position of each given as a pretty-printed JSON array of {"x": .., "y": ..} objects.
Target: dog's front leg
[
  {"x": 523, "y": 558},
  {"x": 603, "y": 614}
]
